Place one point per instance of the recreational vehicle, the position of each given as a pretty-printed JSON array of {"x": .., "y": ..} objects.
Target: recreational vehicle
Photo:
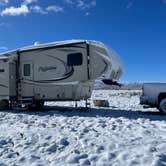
[{"x": 60, "y": 71}]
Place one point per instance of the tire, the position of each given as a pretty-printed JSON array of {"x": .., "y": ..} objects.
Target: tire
[
  {"x": 162, "y": 106},
  {"x": 4, "y": 104}
]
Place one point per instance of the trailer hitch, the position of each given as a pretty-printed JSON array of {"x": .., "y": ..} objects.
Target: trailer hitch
[{"x": 111, "y": 82}]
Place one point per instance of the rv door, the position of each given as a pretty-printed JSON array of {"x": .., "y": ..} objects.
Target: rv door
[
  {"x": 4, "y": 78},
  {"x": 27, "y": 78}
]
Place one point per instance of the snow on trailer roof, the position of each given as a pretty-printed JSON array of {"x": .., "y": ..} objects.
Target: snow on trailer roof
[
  {"x": 40, "y": 46},
  {"x": 53, "y": 44},
  {"x": 8, "y": 53},
  {"x": 60, "y": 43},
  {"x": 49, "y": 45}
]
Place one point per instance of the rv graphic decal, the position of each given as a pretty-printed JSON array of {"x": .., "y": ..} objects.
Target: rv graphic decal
[
  {"x": 4, "y": 86},
  {"x": 46, "y": 68},
  {"x": 68, "y": 71},
  {"x": 65, "y": 76}
]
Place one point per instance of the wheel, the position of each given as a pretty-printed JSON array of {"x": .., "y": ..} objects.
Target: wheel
[
  {"x": 162, "y": 106},
  {"x": 4, "y": 104},
  {"x": 39, "y": 104}
]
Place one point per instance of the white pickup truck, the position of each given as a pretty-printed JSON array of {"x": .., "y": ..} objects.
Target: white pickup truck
[{"x": 154, "y": 95}]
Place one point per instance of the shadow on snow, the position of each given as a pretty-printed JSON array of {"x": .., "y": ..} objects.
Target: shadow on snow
[{"x": 93, "y": 112}]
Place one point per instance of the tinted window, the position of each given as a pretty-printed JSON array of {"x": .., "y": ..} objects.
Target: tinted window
[
  {"x": 2, "y": 70},
  {"x": 27, "y": 70},
  {"x": 74, "y": 59}
]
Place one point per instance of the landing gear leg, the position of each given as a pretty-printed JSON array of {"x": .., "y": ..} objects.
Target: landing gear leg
[
  {"x": 87, "y": 104},
  {"x": 76, "y": 105}
]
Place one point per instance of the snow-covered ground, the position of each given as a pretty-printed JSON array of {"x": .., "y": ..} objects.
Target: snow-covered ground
[{"x": 124, "y": 134}]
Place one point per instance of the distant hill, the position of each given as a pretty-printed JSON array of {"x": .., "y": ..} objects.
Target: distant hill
[{"x": 125, "y": 86}]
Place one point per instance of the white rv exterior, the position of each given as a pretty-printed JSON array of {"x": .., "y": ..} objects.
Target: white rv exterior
[{"x": 56, "y": 71}]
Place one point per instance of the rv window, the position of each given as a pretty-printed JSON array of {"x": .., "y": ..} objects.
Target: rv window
[
  {"x": 27, "y": 70},
  {"x": 2, "y": 70},
  {"x": 74, "y": 59}
]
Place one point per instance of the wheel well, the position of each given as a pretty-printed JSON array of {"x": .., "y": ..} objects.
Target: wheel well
[{"x": 161, "y": 96}]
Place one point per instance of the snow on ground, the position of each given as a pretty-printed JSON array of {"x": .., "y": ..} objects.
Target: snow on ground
[{"x": 124, "y": 134}]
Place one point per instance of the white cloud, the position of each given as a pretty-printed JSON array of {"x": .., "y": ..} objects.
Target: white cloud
[
  {"x": 24, "y": 9},
  {"x": 93, "y": 3},
  {"x": 54, "y": 8},
  {"x": 38, "y": 9},
  {"x": 27, "y": 2},
  {"x": 3, "y": 48},
  {"x": 3, "y": 24},
  {"x": 4, "y": 2},
  {"x": 87, "y": 14},
  {"x": 15, "y": 11},
  {"x": 69, "y": 2},
  {"x": 163, "y": 1},
  {"x": 81, "y": 3},
  {"x": 130, "y": 4},
  {"x": 27, "y": 7}
]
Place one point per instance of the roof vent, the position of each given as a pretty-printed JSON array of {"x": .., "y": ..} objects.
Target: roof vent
[{"x": 36, "y": 43}]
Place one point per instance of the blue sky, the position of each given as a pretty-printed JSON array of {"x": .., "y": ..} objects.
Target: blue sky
[{"x": 136, "y": 29}]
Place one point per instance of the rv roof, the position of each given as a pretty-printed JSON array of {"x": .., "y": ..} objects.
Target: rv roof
[
  {"x": 59, "y": 43},
  {"x": 49, "y": 45}
]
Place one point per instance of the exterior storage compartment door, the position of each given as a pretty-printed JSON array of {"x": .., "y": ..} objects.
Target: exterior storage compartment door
[
  {"x": 4, "y": 79},
  {"x": 12, "y": 79},
  {"x": 27, "y": 79}
]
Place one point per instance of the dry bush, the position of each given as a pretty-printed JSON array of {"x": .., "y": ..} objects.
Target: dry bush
[{"x": 101, "y": 103}]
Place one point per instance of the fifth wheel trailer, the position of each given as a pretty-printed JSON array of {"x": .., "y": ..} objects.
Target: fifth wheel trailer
[{"x": 60, "y": 71}]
